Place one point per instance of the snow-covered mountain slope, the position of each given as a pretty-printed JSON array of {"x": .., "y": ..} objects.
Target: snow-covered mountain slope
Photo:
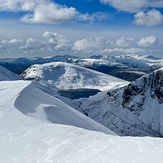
[
  {"x": 68, "y": 76},
  {"x": 7, "y": 75},
  {"x": 145, "y": 62},
  {"x": 18, "y": 65},
  {"x": 136, "y": 109},
  {"x": 31, "y": 101},
  {"x": 127, "y": 67},
  {"x": 28, "y": 135}
]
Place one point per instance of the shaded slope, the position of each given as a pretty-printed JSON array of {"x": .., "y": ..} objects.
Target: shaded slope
[
  {"x": 7, "y": 75},
  {"x": 135, "y": 109}
]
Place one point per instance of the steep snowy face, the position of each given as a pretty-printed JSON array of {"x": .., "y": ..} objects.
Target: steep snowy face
[
  {"x": 68, "y": 76},
  {"x": 7, "y": 75},
  {"x": 149, "y": 86},
  {"x": 136, "y": 109},
  {"x": 145, "y": 99}
]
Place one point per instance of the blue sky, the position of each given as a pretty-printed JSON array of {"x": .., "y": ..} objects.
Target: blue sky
[{"x": 80, "y": 27}]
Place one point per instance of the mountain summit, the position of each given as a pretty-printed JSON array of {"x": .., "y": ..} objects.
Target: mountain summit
[{"x": 68, "y": 76}]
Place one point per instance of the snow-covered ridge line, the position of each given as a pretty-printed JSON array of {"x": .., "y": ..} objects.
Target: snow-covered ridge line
[{"x": 31, "y": 101}]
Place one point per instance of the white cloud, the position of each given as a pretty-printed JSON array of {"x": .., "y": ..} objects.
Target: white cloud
[
  {"x": 148, "y": 41},
  {"x": 126, "y": 5},
  {"x": 54, "y": 38},
  {"x": 98, "y": 16},
  {"x": 150, "y": 18},
  {"x": 50, "y": 13},
  {"x": 4, "y": 41},
  {"x": 47, "y": 11},
  {"x": 89, "y": 43},
  {"x": 31, "y": 40},
  {"x": 124, "y": 42},
  {"x": 26, "y": 47},
  {"x": 63, "y": 47},
  {"x": 20, "y": 5},
  {"x": 14, "y": 41},
  {"x": 121, "y": 50},
  {"x": 133, "y": 5}
]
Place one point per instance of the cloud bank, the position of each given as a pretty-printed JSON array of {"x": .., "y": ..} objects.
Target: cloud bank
[{"x": 54, "y": 43}]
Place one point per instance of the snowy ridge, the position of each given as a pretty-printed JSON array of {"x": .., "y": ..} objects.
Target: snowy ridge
[
  {"x": 7, "y": 75},
  {"x": 37, "y": 139},
  {"x": 68, "y": 76},
  {"x": 135, "y": 109},
  {"x": 49, "y": 109}
]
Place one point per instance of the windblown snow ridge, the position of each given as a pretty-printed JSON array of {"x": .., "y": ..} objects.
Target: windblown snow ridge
[{"x": 39, "y": 105}]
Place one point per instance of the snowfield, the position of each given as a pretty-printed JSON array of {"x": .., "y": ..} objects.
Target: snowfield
[
  {"x": 68, "y": 76},
  {"x": 38, "y": 128}
]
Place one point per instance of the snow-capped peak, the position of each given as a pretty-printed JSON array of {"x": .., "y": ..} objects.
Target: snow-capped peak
[{"x": 68, "y": 76}]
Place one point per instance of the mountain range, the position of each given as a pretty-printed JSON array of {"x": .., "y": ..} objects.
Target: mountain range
[
  {"x": 42, "y": 122},
  {"x": 127, "y": 67}
]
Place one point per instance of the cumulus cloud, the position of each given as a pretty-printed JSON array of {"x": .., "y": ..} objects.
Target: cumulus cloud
[
  {"x": 19, "y": 5},
  {"x": 54, "y": 38},
  {"x": 47, "y": 11},
  {"x": 150, "y": 18},
  {"x": 133, "y": 5},
  {"x": 13, "y": 41},
  {"x": 148, "y": 41},
  {"x": 88, "y": 43},
  {"x": 124, "y": 42},
  {"x": 31, "y": 40},
  {"x": 50, "y": 13}
]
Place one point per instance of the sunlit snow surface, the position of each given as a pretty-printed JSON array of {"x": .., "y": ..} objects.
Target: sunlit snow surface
[
  {"x": 28, "y": 133},
  {"x": 65, "y": 76}
]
